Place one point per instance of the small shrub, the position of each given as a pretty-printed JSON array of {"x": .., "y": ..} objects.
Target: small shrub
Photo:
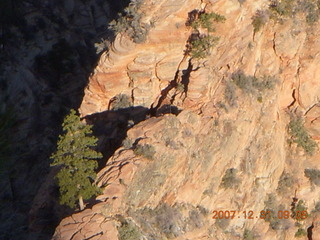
[
  {"x": 205, "y": 20},
  {"x": 271, "y": 208},
  {"x": 167, "y": 220},
  {"x": 259, "y": 20},
  {"x": 130, "y": 23},
  {"x": 121, "y": 101},
  {"x": 300, "y": 233},
  {"x": 282, "y": 8},
  {"x": 300, "y": 136},
  {"x": 311, "y": 9},
  {"x": 128, "y": 231},
  {"x": 222, "y": 223},
  {"x": 202, "y": 45},
  {"x": 146, "y": 151},
  {"x": 102, "y": 46},
  {"x": 248, "y": 235},
  {"x": 127, "y": 143},
  {"x": 285, "y": 183},
  {"x": 251, "y": 84},
  {"x": 230, "y": 179},
  {"x": 301, "y": 206},
  {"x": 297, "y": 211},
  {"x": 313, "y": 175}
]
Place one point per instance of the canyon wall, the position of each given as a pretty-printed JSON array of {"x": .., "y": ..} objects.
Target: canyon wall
[{"x": 226, "y": 148}]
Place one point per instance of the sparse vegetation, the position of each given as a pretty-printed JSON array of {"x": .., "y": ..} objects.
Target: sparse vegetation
[
  {"x": 301, "y": 206},
  {"x": 271, "y": 209},
  {"x": 300, "y": 233},
  {"x": 201, "y": 47},
  {"x": 312, "y": 10},
  {"x": 250, "y": 84},
  {"x": 146, "y": 151},
  {"x": 280, "y": 10},
  {"x": 313, "y": 175},
  {"x": 300, "y": 136},
  {"x": 130, "y": 23},
  {"x": 168, "y": 222},
  {"x": 259, "y": 20},
  {"x": 121, "y": 101},
  {"x": 222, "y": 223},
  {"x": 299, "y": 212},
  {"x": 127, "y": 143},
  {"x": 285, "y": 183},
  {"x": 167, "y": 219},
  {"x": 129, "y": 231},
  {"x": 230, "y": 179},
  {"x": 206, "y": 20}
]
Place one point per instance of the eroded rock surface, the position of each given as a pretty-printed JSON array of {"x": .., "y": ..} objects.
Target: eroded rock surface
[{"x": 222, "y": 128}]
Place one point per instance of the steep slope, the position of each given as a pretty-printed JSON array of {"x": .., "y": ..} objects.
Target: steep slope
[{"x": 227, "y": 147}]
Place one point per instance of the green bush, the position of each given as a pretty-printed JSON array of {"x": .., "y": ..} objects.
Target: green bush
[
  {"x": 230, "y": 179},
  {"x": 201, "y": 46},
  {"x": 129, "y": 231},
  {"x": 205, "y": 20},
  {"x": 300, "y": 136},
  {"x": 313, "y": 175},
  {"x": 130, "y": 23},
  {"x": 248, "y": 235},
  {"x": 283, "y": 8},
  {"x": 297, "y": 211},
  {"x": 146, "y": 151},
  {"x": 300, "y": 233},
  {"x": 289, "y": 8},
  {"x": 285, "y": 183}
]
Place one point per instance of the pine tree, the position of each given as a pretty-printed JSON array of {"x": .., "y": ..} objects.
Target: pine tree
[{"x": 77, "y": 159}]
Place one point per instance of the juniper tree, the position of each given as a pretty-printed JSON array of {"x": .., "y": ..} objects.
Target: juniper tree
[{"x": 77, "y": 161}]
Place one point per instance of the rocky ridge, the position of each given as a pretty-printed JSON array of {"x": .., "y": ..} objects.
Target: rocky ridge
[{"x": 227, "y": 148}]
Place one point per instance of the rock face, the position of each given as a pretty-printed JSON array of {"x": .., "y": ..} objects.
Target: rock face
[{"x": 227, "y": 149}]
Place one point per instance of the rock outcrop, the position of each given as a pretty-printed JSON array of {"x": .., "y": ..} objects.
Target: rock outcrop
[{"x": 227, "y": 148}]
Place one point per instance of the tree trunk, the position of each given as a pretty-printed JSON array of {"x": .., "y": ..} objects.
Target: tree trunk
[{"x": 81, "y": 205}]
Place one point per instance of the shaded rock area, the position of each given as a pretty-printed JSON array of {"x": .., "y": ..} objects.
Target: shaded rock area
[
  {"x": 48, "y": 51},
  {"x": 186, "y": 141}
]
